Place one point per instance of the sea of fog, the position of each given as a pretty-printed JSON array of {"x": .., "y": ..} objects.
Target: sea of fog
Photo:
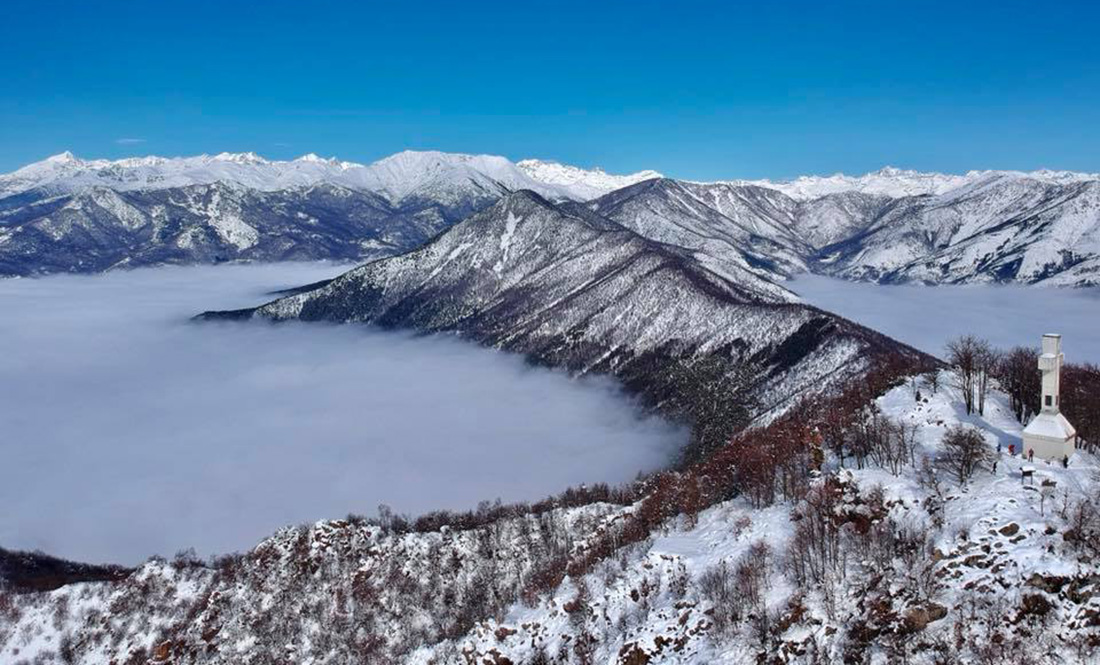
[
  {"x": 928, "y": 316},
  {"x": 127, "y": 430}
]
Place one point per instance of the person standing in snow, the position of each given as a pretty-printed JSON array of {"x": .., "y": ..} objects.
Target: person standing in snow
[{"x": 1065, "y": 461}]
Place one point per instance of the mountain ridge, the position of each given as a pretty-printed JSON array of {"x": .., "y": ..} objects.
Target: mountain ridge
[
  {"x": 566, "y": 287},
  {"x": 887, "y": 181},
  {"x": 395, "y": 176},
  {"x": 68, "y": 215}
]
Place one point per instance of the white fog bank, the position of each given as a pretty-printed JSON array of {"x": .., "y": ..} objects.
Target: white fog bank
[
  {"x": 928, "y": 316},
  {"x": 126, "y": 430}
]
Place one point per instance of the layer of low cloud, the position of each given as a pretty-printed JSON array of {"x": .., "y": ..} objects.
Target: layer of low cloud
[
  {"x": 126, "y": 430},
  {"x": 129, "y": 141},
  {"x": 928, "y": 316}
]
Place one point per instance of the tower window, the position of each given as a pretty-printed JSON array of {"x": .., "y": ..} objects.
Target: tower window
[{"x": 1050, "y": 400}]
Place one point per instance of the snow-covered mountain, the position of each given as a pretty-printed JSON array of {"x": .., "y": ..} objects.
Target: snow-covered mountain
[
  {"x": 428, "y": 174},
  {"x": 98, "y": 229},
  {"x": 838, "y": 530},
  {"x": 67, "y": 214},
  {"x": 582, "y": 184},
  {"x": 735, "y": 231},
  {"x": 898, "y": 183},
  {"x": 568, "y": 287},
  {"x": 865, "y": 564},
  {"x": 997, "y": 228}
]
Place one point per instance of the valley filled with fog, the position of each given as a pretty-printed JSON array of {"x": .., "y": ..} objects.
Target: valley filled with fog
[
  {"x": 928, "y": 316},
  {"x": 129, "y": 430}
]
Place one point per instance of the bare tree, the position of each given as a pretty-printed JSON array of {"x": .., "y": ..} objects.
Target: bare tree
[
  {"x": 1084, "y": 527},
  {"x": 932, "y": 380},
  {"x": 717, "y": 586},
  {"x": 814, "y": 553},
  {"x": 1081, "y": 401},
  {"x": 888, "y": 442},
  {"x": 1018, "y": 375},
  {"x": 986, "y": 361},
  {"x": 964, "y": 451},
  {"x": 962, "y": 353}
]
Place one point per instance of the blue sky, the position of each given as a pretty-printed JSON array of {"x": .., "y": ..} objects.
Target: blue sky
[{"x": 696, "y": 90}]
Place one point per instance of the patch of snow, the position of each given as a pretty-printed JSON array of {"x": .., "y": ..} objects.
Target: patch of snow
[
  {"x": 587, "y": 184},
  {"x": 506, "y": 242}
]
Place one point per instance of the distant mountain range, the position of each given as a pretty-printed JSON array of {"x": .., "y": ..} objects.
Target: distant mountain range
[
  {"x": 440, "y": 176},
  {"x": 675, "y": 289},
  {"x": 70, "y": 215}
]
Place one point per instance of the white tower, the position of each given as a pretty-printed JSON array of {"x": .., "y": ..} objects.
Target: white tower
[{"x": 1049, "y": 434}]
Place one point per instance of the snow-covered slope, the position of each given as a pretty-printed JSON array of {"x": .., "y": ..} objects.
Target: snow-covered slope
[
  {"x": 410, "y": 173},
  {"x": 583, "y": 184},
  {"x": 924, "y": 573},
  {"x": 993, "y": 227},
  {"x": 998, "y": 228},
  {"x": 68, "y": 214},
  {"x": 99, "y": 229},
  {"x": 898, "y": 183},
  {"x": 868, "y": 566},
  {"x": 735, "y": 231},
  {"x": 65, "y": 214},
  {"x": 570, "y": 288}
]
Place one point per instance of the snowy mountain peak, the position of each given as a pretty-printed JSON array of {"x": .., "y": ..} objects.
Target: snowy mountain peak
[
  {"x": 894, "y": 182},
  {"x": 314, "y": 158},
  {"x": 66, "y": 157},
  {"x": 595, "y": 181},
  {"x": 407, "y": 172},
  {"x": 431, "y": 173},
  {"x": 240, "y": 158},
  {"x": 888, "y": 181}
]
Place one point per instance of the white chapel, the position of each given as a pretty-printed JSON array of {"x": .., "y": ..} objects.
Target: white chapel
[{"x": 1049, "y": 434}]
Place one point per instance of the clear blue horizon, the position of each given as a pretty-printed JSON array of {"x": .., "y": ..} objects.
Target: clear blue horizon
[{"x": 695, "y": 90}]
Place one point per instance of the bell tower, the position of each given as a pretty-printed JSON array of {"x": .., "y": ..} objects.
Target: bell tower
[
  {"x": 1050, "y": 364},
  {"x": 1049, "y": 434}
]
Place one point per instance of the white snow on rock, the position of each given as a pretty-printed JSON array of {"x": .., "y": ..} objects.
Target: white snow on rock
[
  {"x": 402, "y": 174},
  {"x": 398, "y": 176},
  {"x": 587, "y": 184},
  {"x": 898, "y": 183},
  {"x": 889, "y": 226},
  {"x": 505, "y": 243},
  {"x": 234, "y": 230}
]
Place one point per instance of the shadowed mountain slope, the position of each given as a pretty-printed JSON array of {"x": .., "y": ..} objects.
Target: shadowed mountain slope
[{"x": 569, "y": 288}]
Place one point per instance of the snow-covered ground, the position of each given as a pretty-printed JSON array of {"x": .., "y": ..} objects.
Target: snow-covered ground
[
  {"x": 928, "y": 316},
  {"x": 126, "y": 430},
  {"x": 1000, "y": 540},
  {"x": 971, "y": 574}
]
